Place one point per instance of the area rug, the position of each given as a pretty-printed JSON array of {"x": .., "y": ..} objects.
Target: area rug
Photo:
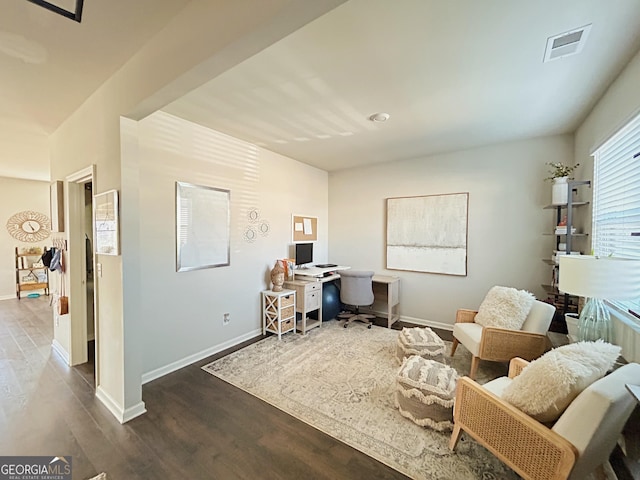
[{"x": 342, "y": 382}]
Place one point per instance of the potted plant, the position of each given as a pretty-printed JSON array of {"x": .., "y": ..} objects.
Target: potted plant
[
  {"x": 559, "y": 173},
  {"x": 560, "y": 170}
]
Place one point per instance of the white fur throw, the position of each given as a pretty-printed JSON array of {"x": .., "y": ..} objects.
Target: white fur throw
[
  {"x": 505, "y": 307},
  {"x": 546, "y": 387}
]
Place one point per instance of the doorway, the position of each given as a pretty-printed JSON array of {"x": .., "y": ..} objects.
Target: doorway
[
  {"x": 87, "y": 369},
  {"x": 85, "y": 342}
]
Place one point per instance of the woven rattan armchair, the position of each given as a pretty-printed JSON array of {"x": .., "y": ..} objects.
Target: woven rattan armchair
[
  {"x": 580, "y": 441},
  {"x": 499, "y": 344}
]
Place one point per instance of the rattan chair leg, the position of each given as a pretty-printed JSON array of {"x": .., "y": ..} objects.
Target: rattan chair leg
[
  {"x": 455, "y": 436},
  {"x": 475, "y": 361},
  {"x": 454, "y": 345}
]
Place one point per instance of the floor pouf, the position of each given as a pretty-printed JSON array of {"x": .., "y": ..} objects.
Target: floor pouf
[
  {"x": 420, "y": 341},
  {"x": 425, "y": 392}
]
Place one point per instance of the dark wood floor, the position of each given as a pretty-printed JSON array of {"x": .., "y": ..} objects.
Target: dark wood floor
[{"x": 196, "y": 427}]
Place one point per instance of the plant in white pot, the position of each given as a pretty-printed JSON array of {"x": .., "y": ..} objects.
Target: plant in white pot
[{"x": 559, "y": 173}]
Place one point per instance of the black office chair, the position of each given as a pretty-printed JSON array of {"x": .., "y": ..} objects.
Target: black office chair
[{"x": 356, "y": 290}]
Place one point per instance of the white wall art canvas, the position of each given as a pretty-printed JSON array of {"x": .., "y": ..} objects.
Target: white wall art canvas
[{"x": 428, "y": 233}]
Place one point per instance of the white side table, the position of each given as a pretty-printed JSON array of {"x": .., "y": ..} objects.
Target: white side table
[{"x": 278, "y": 312}]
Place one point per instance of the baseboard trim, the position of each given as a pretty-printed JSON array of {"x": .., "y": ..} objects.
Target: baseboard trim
[
  {"x": 188, "y": 360},
  {"x": 59, "y": 349},
  {"x": 133, "y": 412},
  {"x": 7, "y": 297},
  {"x": 116, "y": 410},
  {"x": 427, "y": 323}
]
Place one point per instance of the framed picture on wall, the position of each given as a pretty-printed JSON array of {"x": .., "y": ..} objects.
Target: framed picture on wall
[
  {"x": 106, "y": 223},
  {"x": 428, "y": 233}
]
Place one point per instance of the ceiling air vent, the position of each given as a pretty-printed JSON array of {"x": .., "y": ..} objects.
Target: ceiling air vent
[{"x": 565, "y": 44}]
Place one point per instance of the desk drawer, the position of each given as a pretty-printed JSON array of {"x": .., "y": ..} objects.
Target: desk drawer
[
  {"x": 313, "y": 299},
  {"x": 313, "y": 287}
]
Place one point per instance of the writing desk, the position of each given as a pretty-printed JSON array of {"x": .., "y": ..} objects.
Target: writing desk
[
  {"x": 386, "y": 293},
  {"x": 308, "y": 285},
  {"x": 319, "y": 274}
]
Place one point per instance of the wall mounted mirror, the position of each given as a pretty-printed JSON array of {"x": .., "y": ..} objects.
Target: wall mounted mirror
[{"x": 202, "y": 227}]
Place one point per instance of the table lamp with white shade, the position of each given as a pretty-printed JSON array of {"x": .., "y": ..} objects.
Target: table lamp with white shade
[{"x": 598, "y": 279}]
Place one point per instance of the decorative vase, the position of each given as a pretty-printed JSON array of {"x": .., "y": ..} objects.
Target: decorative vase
[
  {"x": 595, "y": 322},
  {"x": 572, "y": 326},
  {"x": 559, "y": 191},
  {"x": 277, "y": 277}
]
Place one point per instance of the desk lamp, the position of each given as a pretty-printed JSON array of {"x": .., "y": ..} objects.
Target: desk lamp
[{"x": 598, "y": 278}]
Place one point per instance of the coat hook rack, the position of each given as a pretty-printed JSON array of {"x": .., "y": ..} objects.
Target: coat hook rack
[{"x": 60, "y": 243}]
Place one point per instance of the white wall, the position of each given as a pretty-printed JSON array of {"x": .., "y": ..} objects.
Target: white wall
[
  {"x": 618, "y": 105},
  {"x": 505, "y": 223},
  {"x": 182, "y": 311},
  {"x": 203, "y": 40},
  {"x": 17, "y": 195}
]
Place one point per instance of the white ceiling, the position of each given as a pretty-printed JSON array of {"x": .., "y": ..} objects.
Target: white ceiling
[
  {"x": 49, "y": 65},
  {"x": 452, "y": 75}
]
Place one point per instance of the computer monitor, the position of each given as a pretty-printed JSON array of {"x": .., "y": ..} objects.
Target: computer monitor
[{"x": 304, "y": 253}]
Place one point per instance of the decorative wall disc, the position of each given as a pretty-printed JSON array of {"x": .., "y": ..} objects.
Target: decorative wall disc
[
  {"x": 250, "y": 234},
  {"x": 253, "y": 215},
  {"x": 264, "y": 228}
]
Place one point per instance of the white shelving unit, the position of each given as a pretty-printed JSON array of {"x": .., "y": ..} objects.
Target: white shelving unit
[{"x": 278, "y": 312}]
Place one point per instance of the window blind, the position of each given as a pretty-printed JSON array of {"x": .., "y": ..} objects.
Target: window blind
[{"x": 616, "y": 198}]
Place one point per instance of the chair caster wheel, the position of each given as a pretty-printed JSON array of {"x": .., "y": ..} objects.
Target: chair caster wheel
[
  {"x": 369, "y": 326},
  {"x": 345, "y": 325}
]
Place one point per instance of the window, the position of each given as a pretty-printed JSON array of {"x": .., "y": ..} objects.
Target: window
[{"x": 616, "y": 199}]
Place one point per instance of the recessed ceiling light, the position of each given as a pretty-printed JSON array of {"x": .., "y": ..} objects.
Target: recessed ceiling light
[{"x": 379, "y": 117}]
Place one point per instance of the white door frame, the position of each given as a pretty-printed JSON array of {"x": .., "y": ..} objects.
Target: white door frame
[{"x": 76, "y": 268}]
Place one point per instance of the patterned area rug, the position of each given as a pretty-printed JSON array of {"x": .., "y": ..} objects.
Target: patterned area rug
[{"x": 342, "y": 381}]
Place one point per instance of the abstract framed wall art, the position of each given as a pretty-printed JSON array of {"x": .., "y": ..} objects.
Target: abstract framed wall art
[{"x": 428, "y": 233}]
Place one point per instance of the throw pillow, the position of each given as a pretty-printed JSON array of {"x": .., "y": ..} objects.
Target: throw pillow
[
  {"x": 505, "y": 307},
  {"x": 546, "y": 387}
]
